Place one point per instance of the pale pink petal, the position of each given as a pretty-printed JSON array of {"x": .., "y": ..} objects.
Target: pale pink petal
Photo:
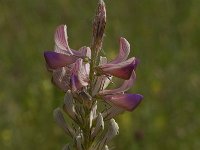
[
  {"x": 56, "y": 60},
  {"x": 122, "y": 70},
  {"x": 123, "y": 51},
  {"x": 61, "y": 40},
  {"x": 82, "y": 52},
  {"x": 106, "y": 79},
  {"x": 101, "y": 82},
  {"x": 124, "y": 87},
  {"x": 126, "y": 101},
  {"x": 79, "y": 78},
  {"x": 61, "y": 78}
]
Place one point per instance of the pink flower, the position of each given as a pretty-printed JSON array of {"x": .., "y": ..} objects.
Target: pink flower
[
  {"x": 120, "y": 67},
  {"x": 62, "y": 61},
  {"x": 119, "y": 98}
]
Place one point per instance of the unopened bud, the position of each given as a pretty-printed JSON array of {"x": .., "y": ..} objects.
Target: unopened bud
[{"x": 99, "y": 26}]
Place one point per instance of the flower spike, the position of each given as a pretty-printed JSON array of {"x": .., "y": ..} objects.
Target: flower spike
[{"x": 84, "y": 75}]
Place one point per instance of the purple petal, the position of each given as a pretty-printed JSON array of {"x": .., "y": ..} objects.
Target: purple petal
[
  {"x": 79, "y": 77},
  {"x": 123, "y": 51},
  {"x": 126, "y": 101},
  {"x": 121, "y": 70},
  {"x": 125, "y": 86},
  {"x": 56, "y": 60}
]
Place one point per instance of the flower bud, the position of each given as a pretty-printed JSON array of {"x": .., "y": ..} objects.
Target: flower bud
[
  {"x": 99, "y": 26},
  {"x": 61, "y": 122}
]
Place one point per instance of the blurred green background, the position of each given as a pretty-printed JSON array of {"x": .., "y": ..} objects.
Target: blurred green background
[{"x": 164, "y": 34}]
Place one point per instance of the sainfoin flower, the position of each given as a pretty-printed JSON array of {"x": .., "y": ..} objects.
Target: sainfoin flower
[
  {"x": 65, "y": 62},
  {"x": 119, "y": 98},
  {"x": 84, "y": 76},
  {"x": 122, "y": 68}
]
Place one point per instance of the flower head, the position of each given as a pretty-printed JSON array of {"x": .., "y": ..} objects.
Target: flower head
[{"x": 67, "y": 64}]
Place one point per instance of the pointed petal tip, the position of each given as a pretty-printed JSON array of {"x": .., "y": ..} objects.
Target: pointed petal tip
[
  {"x": 136, "y": 100},
  {"x": 61, "y": 39},
  {"x": 122, "y": 39}
]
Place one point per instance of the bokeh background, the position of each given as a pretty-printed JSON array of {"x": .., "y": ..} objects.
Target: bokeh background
[{"x": 164, "y": 34}]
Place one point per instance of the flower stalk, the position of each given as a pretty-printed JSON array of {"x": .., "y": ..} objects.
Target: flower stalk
[{"x": 84, "y": 76}]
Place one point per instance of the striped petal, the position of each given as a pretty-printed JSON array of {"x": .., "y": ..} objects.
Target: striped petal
[
  {"x": 126, "y": 101},
  {"x": 123, "y": 51},
  {"x": 56, "y": 60},
  {"x": 121, "y": 70},
  {"x": 79, "y": 77},
  {"x": 82, "y": 52},
  {"x": 61, "y": 40},
  {"x": 101, "y": 82},
  {"x": 62, "y": 46},
  {"x": 61, "y": 78}
]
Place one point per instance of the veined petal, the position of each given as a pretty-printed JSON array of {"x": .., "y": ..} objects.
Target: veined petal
[
  {"x": 123, "y": 51},
  {"x": 61, "y": 40},
  {"x": 124, "y": 87},
  {"x": 56, "y": 60},
  {"x": 101, "y": 82},
  {"x": 79, "y": 77},
  {"x": 121, "y": 70},
  {"x": 126, "y": 101},
  {"x": 82, "y": 52},
  {"x": 60, "y": 78}
]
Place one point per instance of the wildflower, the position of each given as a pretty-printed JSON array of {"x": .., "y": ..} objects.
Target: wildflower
[
  {"x": 64, "y": 61},
  {"x": 120, "y": 67},
  {"x": 84, "y": 81},
  {"x": 119, "y": 98}
]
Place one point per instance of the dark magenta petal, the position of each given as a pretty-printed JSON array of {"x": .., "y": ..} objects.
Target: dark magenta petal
[
  {"x": 56, "y": 60},
  {"x": 126, "y": 101},
  {"x": 121, "y": 70}
]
